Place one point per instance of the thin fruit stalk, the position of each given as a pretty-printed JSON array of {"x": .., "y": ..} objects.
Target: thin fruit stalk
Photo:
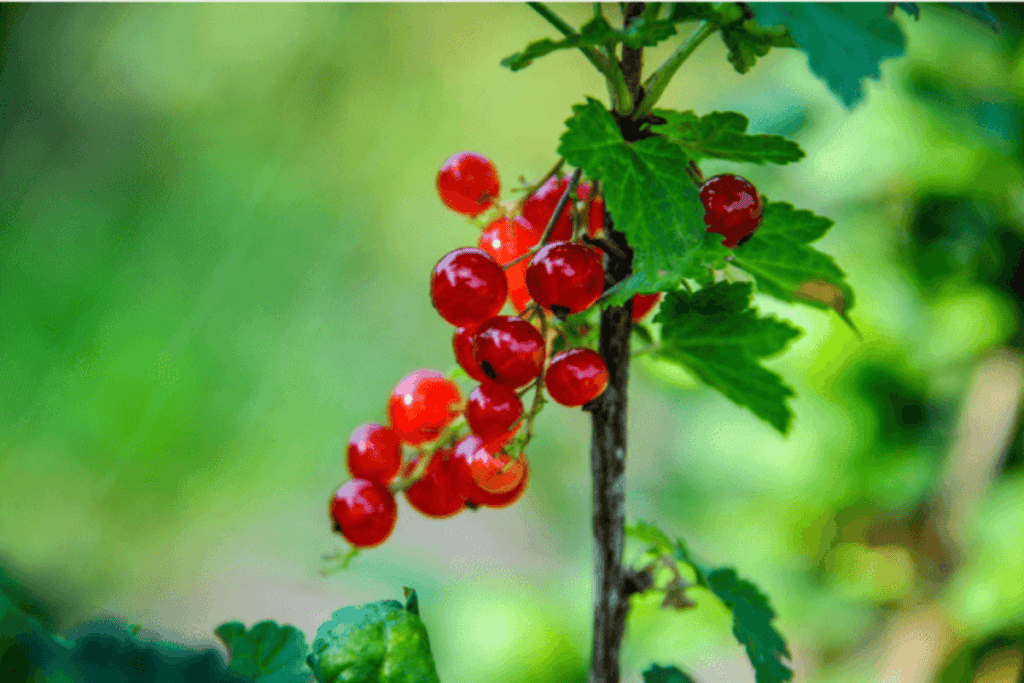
[{"x": 608, "y": 441}]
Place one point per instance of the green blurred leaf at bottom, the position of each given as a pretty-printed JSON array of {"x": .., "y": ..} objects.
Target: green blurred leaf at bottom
[
  {"x": 665, "y": 674},
  {"x": 380, "y": 642},
  {"x": 268, "y": 653}
]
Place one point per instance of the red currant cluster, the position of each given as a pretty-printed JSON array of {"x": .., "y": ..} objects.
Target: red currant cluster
[{"x": 466, "y": 453}]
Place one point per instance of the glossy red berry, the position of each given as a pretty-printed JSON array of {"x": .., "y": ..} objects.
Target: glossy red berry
[
  {"x": 462, "y": 344},
  {"x": 421, "y": 405},
  {"x": 565, "y": 277},
  {"x": 435, "y": 494},
  {"x": 374, "y": 453},
  {"x": 468, "y": 287},
  {"x": 364, "y": 512},
  {"x": 732, "y": 207},
  {"x": 576, "y": 377},
  {"x": 468, "y": 183},
  {"x": 500, "y": 500},
  {"x": 595, "y": 221},
  {"x": 492, "y": 410},
  {"x": 540, "y": 207},
  {"x": 644, "y": 304},
  {"x": 506, "y": 240},
  {"x": 583, "y": 190},
  {"x": 509, "y": 350},
  {"x": 478, "y": 473}
]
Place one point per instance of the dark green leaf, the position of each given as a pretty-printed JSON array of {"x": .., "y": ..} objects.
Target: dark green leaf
[
  {"x": 716, "y": 335},
  {"x": 692, "y": 11},
  {"x": 539, "y": 48},
  {"x": 910, "y": 8},
  {"x": 383, "y": 642},
  {"x": 648, "y": 193},
  {"x": 844, "y": 41},
  {"x": 412, "y": 603},
  {"x": 665, "y": 674},
  {"x": 748, "y": 40},
  {"x": 783, "y": 264},
  {"x": 752, "y": 616},
  {"x": 267, "y": 653},
  {"x": 647, "y": 33},
  {"x": 978, "y": 10},
  {"x": 722, "y": 135},
  {"x": 646, "y": 532}
]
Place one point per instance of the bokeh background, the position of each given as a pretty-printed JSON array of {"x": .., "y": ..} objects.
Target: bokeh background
[{"x": 216, "y": 226}]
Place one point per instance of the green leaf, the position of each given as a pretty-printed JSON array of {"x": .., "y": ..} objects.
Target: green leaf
[
  {"x": 716, "y": 335},
  {"x": 978, "y": 10},
  {"x": 747, "y": 40},
  {"x": 647, "y": 191},
  {"x": 267, "y": 653},
  {"x": 783, "y": 264},
  {"x": 751, "y": 612},
  {"x": 382, "y": 642},
  {"x": 844, "y": 41},
  {"x": 722, "y": 135},
  {"x": 752, "y": 616},
  {"x": 692, "y": 11},
  {"x": 665, "y": 674}
]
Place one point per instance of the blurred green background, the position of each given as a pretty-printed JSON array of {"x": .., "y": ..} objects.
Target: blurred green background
[{"x": 216, "y": 225}]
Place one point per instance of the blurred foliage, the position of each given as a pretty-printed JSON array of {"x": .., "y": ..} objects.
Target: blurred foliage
[{"x": 215, "y": 225}]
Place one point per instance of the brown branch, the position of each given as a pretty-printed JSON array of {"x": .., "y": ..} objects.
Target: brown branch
[{"x": 608, "y": 437}]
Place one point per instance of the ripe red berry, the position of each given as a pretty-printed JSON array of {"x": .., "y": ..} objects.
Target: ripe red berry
[
  {"x": 644, "y": 304},
  {"x": 435, "y": 494},
  {"x": 492, "y": 410},
  {"x": 421, "y": 405},
  {"x": 583, "y": 190},
  {"x": 509, "y": 350},
  {"x": 595, "y": 221},
  {"x": 477, "y": 468},
  {"x": 462, "y": 344},
  {"x": 468, "y": 287},
  {"x": 507, "y": 240},
  {"x": 565, "y": 277},
  {"x": 468, "y": 183},
  {"x": 364, "y": 512},
  {"x": 732, "y": 207},
  {"x": 374, "y": 453},
  {"x": 540, "y": 207},
  {"x": 576, "y": 377}
]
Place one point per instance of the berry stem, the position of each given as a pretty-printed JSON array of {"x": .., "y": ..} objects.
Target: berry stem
[
  {"x": 451, "y": 434},
  {"x": 538, "y": 397},
  {"x": 654, "y": 86},
  {"x": 530, "y": 190},
  {"x": 695, "y": 175},
  {"x": 559, "y": 208}
]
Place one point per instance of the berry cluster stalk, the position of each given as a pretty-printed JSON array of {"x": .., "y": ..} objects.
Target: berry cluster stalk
[{"x": 608, "y": 438}]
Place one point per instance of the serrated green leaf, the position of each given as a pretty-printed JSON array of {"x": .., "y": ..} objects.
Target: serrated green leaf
[
  {"x": 752, "y": 616},
  {"x": 648, "y": 33},
  {"x": 381, "y": 642},
  {"x": 844, "y": 41},
  {"x": 783, "y": 263},
  {"x": 267, "y": 653},
  {"x": 747, "y": 40},
  {"x": 665, "y": 674},
  {"x": 646, "y": 532},
  {"x": 722, "y": 135},
  {"x": 715, "y": 334},
  {"x": 647, "y": 191}
]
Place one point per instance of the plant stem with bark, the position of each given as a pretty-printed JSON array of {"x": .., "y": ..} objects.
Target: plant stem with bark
[{"x": 608, "y": 438}]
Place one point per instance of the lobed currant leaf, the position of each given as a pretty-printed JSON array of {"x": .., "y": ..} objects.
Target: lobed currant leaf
[
  {"x": 716, "y": 335},
  {"x": 844, "y": 41},
  {"x": 783, "y": 264},
  {"x": 267, "y": 653},
  {"x": 382, "y": 641},
  {"x": 653, "y": 202},
  {"x": 722, "y": 135},
  {"x": 747, "y": 40},
  {"x": 666, "y": 674}
]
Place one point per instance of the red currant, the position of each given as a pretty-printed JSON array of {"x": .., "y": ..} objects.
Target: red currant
[
  {"x": 565, "y": 277},
  {"x": 462, "y": 344},
  {"x": 468, "y": 183},
  {"x": 509, "y": 350},
  {"x": 478, "y": 473},
  {"x": 374, "y": 453},
  {"x": 576, "y": 377},
  {"x": 595, "y": 221},
  {"x": 364, "y": 512},
  {"x": 422, "y": 405},
  {"x": 732, "y": 207},
  {"x": 468, "y": 287},
  {"x": 644, "y": 304},
  {"x": 492, "y": 410},
  {"x": 500, "y": 500},
  {"x": 507, "y": 240},
  {"x": 539, "y": 208},
  {"x": 583, "y": 190},
  {"x": 435, "y": 494}
]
